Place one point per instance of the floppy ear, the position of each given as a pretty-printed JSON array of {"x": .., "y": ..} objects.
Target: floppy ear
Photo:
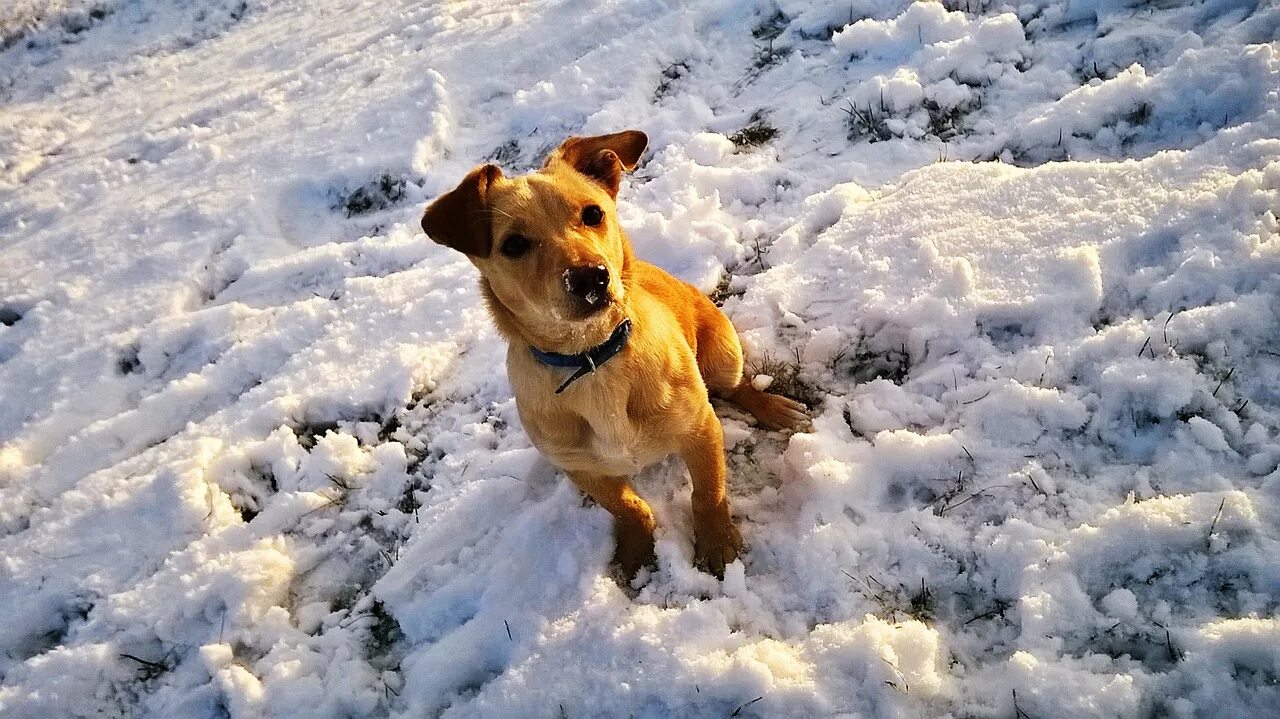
[
  {"x": 603, "y": 158},
  {"x": 460, "y": 217}
]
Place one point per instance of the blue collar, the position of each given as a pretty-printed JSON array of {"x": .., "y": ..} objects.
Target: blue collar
[{"x": 587, "y": 362}]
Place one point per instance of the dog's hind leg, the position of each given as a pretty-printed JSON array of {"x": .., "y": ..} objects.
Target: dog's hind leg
[
  {"x": 719, "y": 355},
  {"x": 720, "y": 363},
  {"x": 633, "y": 519}
]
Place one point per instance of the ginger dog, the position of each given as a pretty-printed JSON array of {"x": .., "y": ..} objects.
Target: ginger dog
[{"x": 611, "y": 359}]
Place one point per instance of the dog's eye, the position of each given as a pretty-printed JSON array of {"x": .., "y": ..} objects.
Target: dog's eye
[
  {"x": 515, "y": 245},
  {"x": 592, "y": 215}
]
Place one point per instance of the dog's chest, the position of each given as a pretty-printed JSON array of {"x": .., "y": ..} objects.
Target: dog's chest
[
  {"x": 607, "y": 440},
  {"x": 616, "y": 441},
  {"x": 615, "y": 451}
]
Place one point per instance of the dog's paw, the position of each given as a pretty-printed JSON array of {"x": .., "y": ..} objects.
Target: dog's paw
[
  {"x": 713, "y": 550},
  {"x": 771, "y": 410},
  {"x": 777, "y": 412},
  {"x": 634, "y": 551}
]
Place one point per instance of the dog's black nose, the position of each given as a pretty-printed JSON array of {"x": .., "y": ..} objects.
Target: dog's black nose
[{"x": 589, "y": 283}]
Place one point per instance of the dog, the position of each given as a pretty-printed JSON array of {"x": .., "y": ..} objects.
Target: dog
[{"x": 612, "y": 360}]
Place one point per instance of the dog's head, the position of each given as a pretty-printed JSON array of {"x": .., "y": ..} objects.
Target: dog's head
[{"x": 548, "y": 246}]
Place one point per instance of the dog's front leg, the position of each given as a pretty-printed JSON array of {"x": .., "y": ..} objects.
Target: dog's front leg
[
  {"x": 633, "y": 520},
  {"x": 716, "y": 541}
]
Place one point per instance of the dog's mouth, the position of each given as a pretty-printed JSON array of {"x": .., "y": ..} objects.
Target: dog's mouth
[{"x": 593, "y": 303}]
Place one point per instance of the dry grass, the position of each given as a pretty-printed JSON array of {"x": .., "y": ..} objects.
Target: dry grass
[
  {"x": 379, "y": 194},
  {"x": 757, "y": 132},
  {"x": 787, "y": 380}
]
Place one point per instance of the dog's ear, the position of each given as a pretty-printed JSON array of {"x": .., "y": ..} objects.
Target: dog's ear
[
  {"x": 460, "y": 217},
  {"x": 603, "y": 158}
]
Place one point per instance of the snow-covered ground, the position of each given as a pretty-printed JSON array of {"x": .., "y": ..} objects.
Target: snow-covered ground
[{"x": 258, "y": 456}]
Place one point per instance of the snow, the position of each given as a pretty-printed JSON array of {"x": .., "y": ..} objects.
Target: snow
[{"x": 258, "y": 455}]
